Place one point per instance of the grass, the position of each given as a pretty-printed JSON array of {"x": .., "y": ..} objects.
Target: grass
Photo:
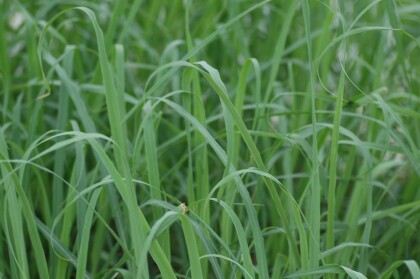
[{"x": 222, "y": 139}]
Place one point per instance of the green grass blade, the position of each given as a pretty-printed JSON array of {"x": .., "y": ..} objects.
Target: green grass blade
[
  {"x": 191, "y": 241},
  {"x": 84, "y": 243},
  {"x": 333, "y": 164}
]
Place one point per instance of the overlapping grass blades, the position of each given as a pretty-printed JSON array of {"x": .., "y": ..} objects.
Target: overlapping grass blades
[{"x": 222, "y": 139}]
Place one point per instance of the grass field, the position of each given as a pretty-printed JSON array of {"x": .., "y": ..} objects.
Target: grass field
[{"x": 209, "y": 139}]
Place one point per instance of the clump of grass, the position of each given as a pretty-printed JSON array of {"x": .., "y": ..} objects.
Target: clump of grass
[{"x": 226, "y": 139}]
